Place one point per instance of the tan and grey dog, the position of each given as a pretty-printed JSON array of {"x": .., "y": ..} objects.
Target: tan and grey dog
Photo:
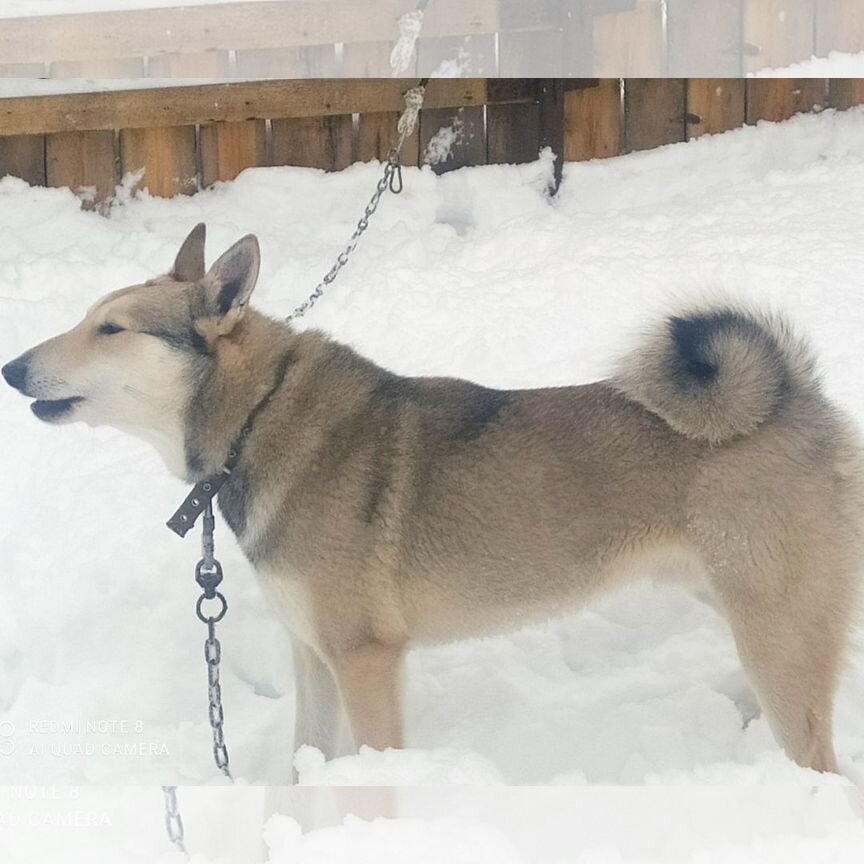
[{"x": 382, "y": 512}]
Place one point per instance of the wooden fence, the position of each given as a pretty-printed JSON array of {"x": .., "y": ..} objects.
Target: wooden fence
[
  {"x": 184, "y": 138},
  {"x": 502, "y": 38}
]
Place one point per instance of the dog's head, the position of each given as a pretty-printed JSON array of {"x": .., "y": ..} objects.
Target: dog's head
[{"x": 133, "y": 361}]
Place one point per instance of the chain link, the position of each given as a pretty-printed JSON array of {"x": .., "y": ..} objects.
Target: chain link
[
  {"x": 208, "y": 574},
  {"x": 391, "y": 179},
  {"x": 173, "y": 819}
]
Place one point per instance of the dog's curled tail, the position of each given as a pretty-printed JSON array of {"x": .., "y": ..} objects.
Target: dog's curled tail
[{"x": 715, "y": 375}]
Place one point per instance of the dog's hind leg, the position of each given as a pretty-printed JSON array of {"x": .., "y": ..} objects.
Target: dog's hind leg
[
  {"x": 736, "y": 686},
  {"x": 319, "y": 718},
  {"x": 792, "y": 649},
  {"x": 370, "y": 680}
]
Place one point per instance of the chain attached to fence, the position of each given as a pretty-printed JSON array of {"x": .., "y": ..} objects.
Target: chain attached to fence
[
  {"x": 391, "y": 179},
  {"x": 173, "y": 820}
]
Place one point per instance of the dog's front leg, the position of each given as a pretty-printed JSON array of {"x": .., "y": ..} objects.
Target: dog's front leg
[
  {"x": 370, "y": 680},
  {"x": 319, "y": 718}
]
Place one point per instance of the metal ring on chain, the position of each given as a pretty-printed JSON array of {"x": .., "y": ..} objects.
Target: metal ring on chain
[{"x": 206, "y": 619}]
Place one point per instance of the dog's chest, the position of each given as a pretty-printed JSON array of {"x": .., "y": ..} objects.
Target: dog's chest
[{"x": 291, "y": 601}]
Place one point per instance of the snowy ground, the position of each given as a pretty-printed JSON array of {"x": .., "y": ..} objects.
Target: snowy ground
[
  {"x": 759, "y": 825},
  {"x": 470, "y": 274},
  {"x": 837, "y": 64}
]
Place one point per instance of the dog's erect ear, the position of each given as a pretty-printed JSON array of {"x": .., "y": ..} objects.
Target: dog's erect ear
[
  {"x": 228, "y": 286},
  {"x": 189, "y": 263}
]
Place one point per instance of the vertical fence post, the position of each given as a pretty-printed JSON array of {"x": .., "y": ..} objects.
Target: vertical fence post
[{"x": 551, "y": 99}]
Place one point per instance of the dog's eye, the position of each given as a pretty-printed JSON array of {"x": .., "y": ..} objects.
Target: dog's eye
[{"x": 110, "y": 329}]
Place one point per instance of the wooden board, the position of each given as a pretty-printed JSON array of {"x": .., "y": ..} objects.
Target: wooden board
[
  {"x": 179, "y": 106},
  {"x": 168, "y": 156},
  {"x": 593, "y": 121},
  {"x": 226, "y": 149},
  {"x": 376, "y": 134},
  {"x": 470, "y": 145},
  {"x": 314, "y": 61},
  {"x": 205, "y": 64},
  {"x": 229, "y": 26},
  {"x": 779, "y": 32},
  {"x": 455, "y": 56},
  {"x": 551, "y": 103},
  {"x": 23, "y": 156},
  {"x": 715, "y": 105},
  {"x": 129, "y": 67},
  {"x": 839, "y": 26},
  {"x": 780, "y": 98},
  {"x": 368, "y": 60},
  {"x": 630, "y": 43},
  {"x": 22, "y": 70},
  {"x": 654, "y": 110},
  {"x": 535, "y": 15},
  {"x": 845, "y": 92},
  {"x": 313, "y": 142},
  {"x": 508, "y": 90},
  {"x": 703, "y": 37},
  {"x": 538, "y": 53},
  {"x": 83, "y": 161},
  {"x": 512, "y": 132}
]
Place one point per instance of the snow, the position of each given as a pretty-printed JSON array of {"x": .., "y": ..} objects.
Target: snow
[
  {"x": 837, "y": 64},
  {"x": 472, "y": 274},
  {"x": 609, "y": 825}
]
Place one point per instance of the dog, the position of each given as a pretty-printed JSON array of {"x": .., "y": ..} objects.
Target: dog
[{"x": 383, "y": 512}]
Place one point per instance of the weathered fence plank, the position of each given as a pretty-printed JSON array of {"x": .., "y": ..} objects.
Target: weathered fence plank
[
  {"x": 780, "y": 98},
  {"x": 845, "y": 92},
  {"x": 370, "y": 60},
  {"x": 165, "y": 154},
  {"x": 313, "y": 61},
  {"x": 376, "y": 135},
  {"x": 128, "y": 67},
  {"x": 468, "y": 147},
  {"x": 839, "y": 26},
  {"x": 654, "y": 112},
  {"x": 456, "y": 56},
  {"x": 204, "y": 64},
  {"x": 83, "y": 160},
  {"x": 593, "y": 121},
  {"x": 23, "y": 156},
  {"x": 715, "y": 105},
  {"x": 313, "y": 142},
  {"x": 210, "y": 103},
  {"x": 704, "y": 37},
  {"x": 777, "y": 32},
  {"x": 551, "y": 98},
  {"x": 512, "y": 132},
  {"x": 226, "y": 149},
  {"x": 630, "y": 42}
]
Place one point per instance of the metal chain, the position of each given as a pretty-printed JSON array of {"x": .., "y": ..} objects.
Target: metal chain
[
  {"x": 391, "y": 179},
  {"x": 173, "y": 819},
  {"x": 208, "y": 574}
]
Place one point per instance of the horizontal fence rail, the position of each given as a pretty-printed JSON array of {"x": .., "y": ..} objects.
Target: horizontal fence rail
[
  {"x": 506, "y": 38},
  {"x": 184, "y": 138}
]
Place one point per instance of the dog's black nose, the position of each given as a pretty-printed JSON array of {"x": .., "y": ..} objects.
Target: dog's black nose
[{"x": 15, "y": 374}]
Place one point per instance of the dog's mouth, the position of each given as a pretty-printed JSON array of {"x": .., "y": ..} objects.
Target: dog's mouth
[{"x": 50, "y": 410}]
